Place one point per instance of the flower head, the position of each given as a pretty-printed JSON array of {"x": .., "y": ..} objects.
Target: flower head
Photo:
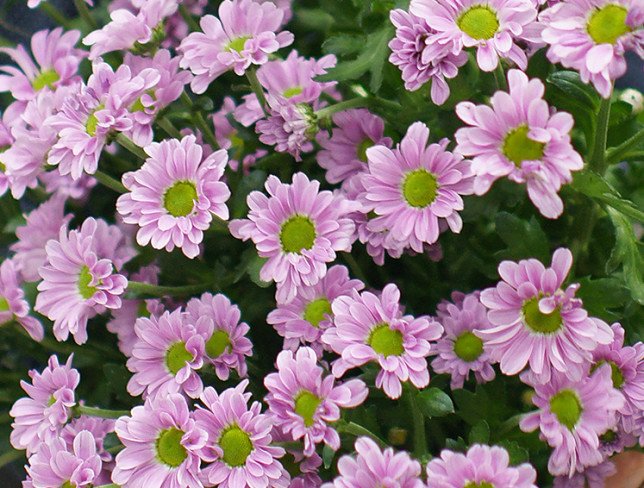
[
  {"x": 518, "y": 137},
  {"x": 299, "y": 229},
  {"x": 368, "y": 328},
  {"x": 591, "y": 477},
  {"x": 536, "y": 321},
  {"x": 13, "y": 305},
  {"x": 174, "y": 195},
  {"x": 304, "y": 402},
  {"x": 99, "y": 428}
]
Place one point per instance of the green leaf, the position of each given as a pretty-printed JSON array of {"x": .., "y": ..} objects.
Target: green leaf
[
  {"x": 595, "y": 186},
  {"x": 627, "y": 253},
  {"x": 517, "y": 453},
  {"x": 327, "y": 456},
  {"x": 315, "y": 19},
  {"x": 567, "y": 92},
  {"x": 620, "y": 112},
  {"x": 601, "y": 295},
  {"x": 343, "y": 44},
  {"x": 480, "y": 433},
  {"x": 435, "y": 402},
  {"x": 525, "y": 239}
]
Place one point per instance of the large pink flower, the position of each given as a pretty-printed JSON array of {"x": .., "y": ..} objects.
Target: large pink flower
[{"x": 13, "y": 305}]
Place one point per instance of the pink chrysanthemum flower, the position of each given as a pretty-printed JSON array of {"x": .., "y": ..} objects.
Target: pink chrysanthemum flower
[
  {"x": 244, "y": 34},
  {"x": 91, "y": 113},
  {"x": 57, "y": 66},
  {"x": 369, "y": 328},
  {"x": 344, "y": 153},
  {"x": 167, "y": 355},
  {"x": 536, "y": 321},
  {"x": 174, "y": 195},
  {"x": 482, "y": 466},
  {"x": 303, "y": 469},
  {"x": 303, "y": 402},
  {"x": 412, "y": 186},
  {"x": 591, "y": 36},
  {"x": 239, "y": 441},
  {"x": 162, "y": 443},
  {"x": 493, "y": 27},
  {"x": 80, "y": 276},
  {"x": 7, "y": 140},
  {"x": 226, "y": 345},
  {"x": 571, "y": 417},
  {"x": 303, "y": 320},
  {"x": 460, "y": 351},
  {"x": 299, "y": 229},
  {"x": 42, "y": 224},
  {"x": 518, "y": 138},
  {"x": 57, "y": 465},
  {"x": 99, "y": 428},
  {"x": 13, "y": 305},
  {"x": 373, "y": 467},
  {"x": 40, "y": 416},
  {"x": 591, "y": 477},
  {"x": 129, "y": 31},
  {"x": 420, "y": 60}
]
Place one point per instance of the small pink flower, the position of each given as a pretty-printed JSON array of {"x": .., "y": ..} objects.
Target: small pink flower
[
  {"x": 304, "y": 403},
  {"x": 13, "y": 305},
  {"x": 368, "y": 328},
  {"x": 591, "y": 477},
  {"x": 99, "y": 428}
]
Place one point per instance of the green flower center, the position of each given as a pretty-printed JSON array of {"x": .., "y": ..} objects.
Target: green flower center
[
  {"x": 567, "y": 407},
  {"x": 84, "y": 280},
  {"x": 543, "y": 323},
  {"x": 92, "y": 122},
  {"x": 479, "y": 22},
  {"x": 293, "y": 91},
  {"x": 46, "y": 78},
  {"x": 306, "y": 403},
  {"x": 615, "y": 373},
  {"x": 316, "y": 311},
  {"x": 607, "y": 24},
  {"x": 419, "y": 188},
  {"x": 361, "y": 150},
  {"x": 218, "y": 343},
  {"x": 68, "y": 484},
  {"x": 176, "y": 357},
  {"x": 297, "y": 233},
  {"x": 4, "y": 304},
  {"x": 468, "y": 347},
  {"x": 179, "y": 199},
  {"x": 169, "y": 449},
  {"x": 237, "y": 44},
  {"x": 608, "y": 436},
  {"x": 236, "y": 445},
  {"x": 482, "y": 484},
  {"x": 518, "y": 147},
  {"x": 386, "y": 341}
]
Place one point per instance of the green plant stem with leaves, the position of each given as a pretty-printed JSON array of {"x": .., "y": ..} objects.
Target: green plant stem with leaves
[
  {"x": 597, "y": 160},
  {"x": 100, "y": 412},
  {"x": 418, "y": 421},
  {"x": 251, "y": 75},
  {"x": 146, "y": 290}
]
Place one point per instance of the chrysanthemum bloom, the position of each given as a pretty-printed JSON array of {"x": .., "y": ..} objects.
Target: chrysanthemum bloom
[
  {"x": 174, "y": 195},
  {"x": 410, "y": 187},
  {"x": 239, "y": 441},
  {"x": 518, "y": 138},
  {"x": 372, "y": 467},
  {"x": 303, "y": 320},
  {"x": 57, "y": 66},
  {"x": 299, "y": 229},
  {"x": 592, "y": 477},
  {"x": 129, "y": 31},
  {"x": 40, "y": 416},
  {"x": 42, "y": 224},
  {"x": 80, "y": 276},
  {"x": 615, "y": 440},
  {"x": 420, "y": 60},
  {"x": 536, "y": 321},
  {"x": 344, "y": 153},
  {"x": 35, "y": 3},
  {"x": 226, "y": 344},
  {"x": 304, "y": 402},
  {"x": 7, "y": 140},
  {"x": 162, "y": 443},
  {"x": 99, "y": 428},
  {"x": 244, "y": 34},
  {"x": 460, "y": 351},
  {"x": 481, "y": 467},
  {"x": 370, "y": 328},
  {"x": 591, "y": 36},
  {"x": 13, "y": 305},
  {"x": 571, "y": 417},
  {"x": 167, "y": 355},
  {"x": 56, "y": 465},
  {"x": 627, "y": 366},
  {"x": 91, "y": 113},
  {"x": 303, "y": 469},
  {"x": 493, "y": 27},
  {"x": 168, "y": 89}
]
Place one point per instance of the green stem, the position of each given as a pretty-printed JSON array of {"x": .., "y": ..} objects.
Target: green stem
[
  {"x": 418, "y": 419},
  {"x": 143, "y": 290},
  {"x": 166, "y": 124},
  {"x": 251, "y": 74},
  {"x": 614, "y": 154},
  {"x": 339, "y": 107},
  {"x": 207, "y": 132},
  {"x": 128, "y": 144},
  {"x": 54, "y": 14},
  {"x": 597, "y": 160},
  {"x": 83, "y": 11},
  {"x": 359, "y": 431},
  {"x": 355, "y": 267},
  {"x": 101, "y": 412},
  {"x": 111, "y": 183},
  {"x": 190, "y": 20},
  {"x": 111, "y": 485},
  {"x": 9, "y": 457},
  {"x": 499, "y": 77}
]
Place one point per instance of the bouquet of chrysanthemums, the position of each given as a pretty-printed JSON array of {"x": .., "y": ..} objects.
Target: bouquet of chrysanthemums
[{"x": 321, "y": 243}]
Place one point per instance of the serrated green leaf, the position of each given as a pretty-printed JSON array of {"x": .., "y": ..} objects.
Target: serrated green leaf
[
  {"x": 434, "y": 402},
  {"x": 602, "y": 294},
  {"x": 525, "y": 239},
  {"x": 517, "y": 453},
  {"x": 626, "y": 252},
  {"x": 570, "y": 84},
  {"x": 344, "y": 44},
  {"x": 595, "y": 186},
  {"x": 480, "y": 433}
]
